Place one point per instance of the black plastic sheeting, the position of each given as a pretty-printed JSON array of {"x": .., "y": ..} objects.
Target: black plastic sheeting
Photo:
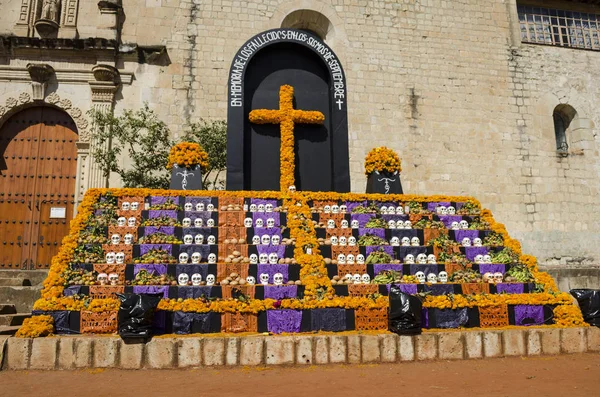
[
  {"x": 404, "y": 313},
  {"x": 589, "y": 303},
  {"x": 136, "y": 315}
]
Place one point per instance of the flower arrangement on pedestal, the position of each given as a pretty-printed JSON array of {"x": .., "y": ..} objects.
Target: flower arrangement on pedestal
[
  {"x": 187, "y": 161},
  {"x": 382, "y": 167}
]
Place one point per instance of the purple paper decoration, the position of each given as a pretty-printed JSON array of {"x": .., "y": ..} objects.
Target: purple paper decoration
[
  {"x": 169, "y": 230},
  {"x": 472, "y": 252},
  {"x": 266, "y": 215},
  {"x": 150, "y": 289},
  {"x": 471, "y": 234},
  {"x": 350, "y": 205},
  {"x": 492, "y": 268},
  {"x": 269, "y": 249},
  {"x": 424, "y": 268},
  {"x": 373, "y": 231},
  {"x": 331, "y": 319},
  {"x": 195, "y": 200},
  {"x": 263, "y": 201},
  {"x": 432, "y": 206},
  {"x": 361, "y": 218},
  {"x": 151, "y": 269},
  {"x": 448, "y": 219},
  {"x": 205, "y": 231},
  {"x": 440, "y": 289},
  {"x": 529, "y": 315},
  {"x": 387, "y": 248},
  {"x": 510, "y": 288},
  {"x": 410, "y": 233},
  {"x": 204, "y": 215},
  {"x": 414, "y": 251},
  {"x": 260, "y": 231},
  {"x": 279, "y": 292},
  {"x": 162, "y": 213},
  {"x": 287, "y": 320},
  {"x": 449, "y": 318},
  {"x": 271, "y": 270},
  {"x": 158, "y": 200},
  {"x": 191, "y": 292},
  {"x": 381, "y": 267},
  {"x": 144, "y": 248},
  {"x": 395, "y": 218},
  {"x": 191, "y": 269},
  {"x": 203, "y": 249},
  {"x": 409, "y": 289}
]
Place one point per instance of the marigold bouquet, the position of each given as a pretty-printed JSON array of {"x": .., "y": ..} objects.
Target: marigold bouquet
[
  {"x": 382, "y": 159},
  {"x": 188, "y": 155}
]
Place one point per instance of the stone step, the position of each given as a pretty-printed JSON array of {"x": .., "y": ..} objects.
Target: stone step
[
  {"x": 22, "y": 298},
  {"x": 7, "y": 309},
  {"x": 9, "y": 330},
  {"x": 31, "y": 277},
  {"x": 13, "y": 319},
  {"x": 13, "y": 282}
]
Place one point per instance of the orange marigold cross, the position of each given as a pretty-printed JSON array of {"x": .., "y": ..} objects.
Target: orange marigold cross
[{"x": 286, "y": 116}]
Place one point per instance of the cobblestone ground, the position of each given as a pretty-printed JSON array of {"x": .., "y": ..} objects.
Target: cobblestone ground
[{"x": 572, "y": 375}]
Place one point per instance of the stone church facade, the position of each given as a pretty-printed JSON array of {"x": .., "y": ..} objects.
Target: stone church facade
[{"x": 494, "y": 99}]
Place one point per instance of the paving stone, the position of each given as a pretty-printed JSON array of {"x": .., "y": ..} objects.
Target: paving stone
[
  {"x": 370, "y": 348},
  {"x": 337, "y": 349},
  {"x": 304, "y": 350},
  {"x": 280, "y": 350},
  {"x": 406, "y": 348},
  {"x": 573, "y": 340},
  {"x": 451, "y": 346},
  {"x": 492, "y": 344},
  {"x": 17, "y": 354},
  {"x": 43, "y": 353},
  {"x": 426, "y": 346},
  {"x": 160, "y": 353},
  {"x": 189, "y": 352},
  {"x": 105, "y": 352},
  {"x": 389, "y": 348},
  {"x": 131, "y": 356},
  {"x": 473, "y": 344},
  {"x": 251, "y": 351},
  {"x": 514, "y": 343},
  {"x": 213, "y": 351}
]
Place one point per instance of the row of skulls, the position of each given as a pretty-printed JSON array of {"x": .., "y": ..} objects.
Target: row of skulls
[
  {"x": 342, "y": 209},
  {"x": 354, "y": 224},
  {"x": 394, "y": 241},
  {"x": 442, "y": 210},
  {"x": 483, "y": 259},
  {"x": 270, "y": 223},
  {"x": 432, "y": 278},
  {"x": 466, "y": 242},
  {"x": 261, "y": 207},
  {"x": 115, "y": 257},
  {"x": 131, "y": 222},
  {"x": 183, "y": 279},
  {"x": 127, "y": 206},
  {"x": 196, "y": 258},
  {"x": 106, "y": 279},
  {"x": 493, "y": 278},
  {"x": 265, "y": 239},
  {"x": 200, "y": 207},
  {"x": 421, "y": 259},
  {"x": 462, "y": 225},
  {"x": 198, "y": 222}
]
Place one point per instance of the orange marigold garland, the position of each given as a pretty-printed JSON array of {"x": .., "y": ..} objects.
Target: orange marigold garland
[
  {"x": 382, "y": 159},
  {"x": 188, "y": 155},
  {"x": 36, "y": 326}
]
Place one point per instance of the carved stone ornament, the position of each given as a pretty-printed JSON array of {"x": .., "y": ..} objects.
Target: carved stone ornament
[
  {"x": 24, "y": 98},
  {"x": 40, "y": 74},
  {"x": 53, "y": 98},
  {"x": 105, "y": 73}
]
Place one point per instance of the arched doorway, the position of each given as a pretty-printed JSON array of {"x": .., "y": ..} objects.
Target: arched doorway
[{"x": 38, "y": 167}]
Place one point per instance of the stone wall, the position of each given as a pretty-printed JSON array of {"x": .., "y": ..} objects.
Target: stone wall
[{"x": 446, "y": 84}]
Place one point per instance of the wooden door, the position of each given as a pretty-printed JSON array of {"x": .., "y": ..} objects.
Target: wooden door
[{"x": 37, "y": 180}]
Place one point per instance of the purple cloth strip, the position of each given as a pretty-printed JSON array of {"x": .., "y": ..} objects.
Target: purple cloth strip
[
  {"x": 373, "y": 231},
  {"x": 361, "y": 218},
  {"x": 278, "y": 292},
  {"x": 432, "y": 206},
  {"x": 448, "y": 219},
  {"x": 424, "y": 268},
  {"x": 196, "y": 200},
  {"x": 529, "y": 315},
  {"x": 510, "y": 288},
  {"x": 266, "y": 215},
  {"x": 204, "y": 215},
  {"x": 411, "y": 250},
  {"x": 350, "y": 205},
  {"x": 472, "y": 252},
  {"x": 72, "y": 290},
  {"x": 381, "y": 267},
  {"x": 260, "y": 231},
  {"x": 265, "y": 202},
  {"x": 331, "y": 319},
  {"x": 191, "y": 269},
  {"x": 152, "y": 269},
  {"x": 150, "y": 289},
  {"x": 158, "y": 200},
  {"x": 287, "y": 320},
  {"x": 492, "y": 268},
  {"x": 471, "y": 234},
  {"x": 192, "y": 292},
  {"x": 149, "y": 230},
  {"x": 449, "y": 318},
  {"x": 387, "y": 248},
  {"x": 269, "y": 249},
  {"x": 440, "y": 289},
  {"x": 410, "y": 233},
  {"x": 425, "y": 318},
  {"x": 271, "y": 270},
  {"x": 395, "y": 218},
  {"x": 203, "y": 249},
  {"x": 206, "y": 231},
  {"x": 144, "y": 248},
  {"x": 162, "y": 213}
]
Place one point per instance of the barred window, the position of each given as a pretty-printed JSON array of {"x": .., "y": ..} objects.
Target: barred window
[{"x": 559, "y": 27}]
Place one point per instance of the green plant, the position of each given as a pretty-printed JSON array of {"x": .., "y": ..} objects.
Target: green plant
[
  {"x": 212, "y": 136},
  {"x": 138, "y": 136}
]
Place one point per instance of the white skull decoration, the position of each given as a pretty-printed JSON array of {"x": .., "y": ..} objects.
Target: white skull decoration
[
  {"x": 443, "y": 277},
  {"x": 210, "y": 207},
  {"x": 186, "y": 222},
  {"x": 431, "y": 259},
  {"x": 275, "y": 239},
  {"x": 278, "y": 279},
  {"x": 420, "y": 276},
  {"x": 200, "y": 207},
  {"x": 344, "y": 224},
  {"x": 327, "y": 209},
  {"x": 488, "y": 277},
  {"x": 477, "y": 242},
  {"x": 264, "y": 278},
  {"x": 405, "y": 242},
  {"x": 270, "y": 222},
  {"x": 269, "y": 207},
  {"x": 395, "y": 242},
  {"x": 415, "y": 242},
  {"x": 348, "y": 278},
  {"x": 113, "y": 278},
  {"x": 352, "y": 241},
  {"x": 256, "y": 239},
  {"x": 210, "y": 222},
  {"x": 261, "y": 208},
  {"x": 188, "y": 239},
  {"x": 196, "y": 258},
  {"x": 120, "y": 258},
  {"x": 354, "y": 224},
  {"x": 383, "y": 210},
  {"x": 183, "y": 257},
  {"x": 248, "y": 222},
  {"x": 335, "y": 209},
  {"x": 421, "y": 259},
  {"x": 331, "y": 224},
  {"x": 128, "y": 239},
  {"x": 212, "y": 258},
  {"x": 451, "y": 210},
  {"x": 183, "y": 279},
  {"x": 365, "y": 278},
  {"x": 442, "y": 210},
  {"x": 341, "y": 259},
  {"x": 292, "y": 188},
  {"x": 399, "y": 210},
  {"x": 196, "y": 279},
  {"x": 198, "y": 222},
  {"x": 250, "y": 280},
  {"x": 110, "y": 258},
  {"x": 408, "y": 225},
  {"x": 135, "y": 206},
  {"x": 131, "y": 221},
  {"x": 409, "y": 259},
  {"x": 265, "y": 239},
  {"x": 487, "y": 259},
  {"x": 273, "y": 258},
  {"x": 464, "y": 224},
  {"x": 102, "y": 278},
  {"x": 356, "y": 279},
  {"x": 343, "y": 208},
  {"x": 466, "y": 242},
  {"x": 333, "y": 240},
  {"x": 126, "y": 206},
  {"x": 350, "y": 259},
  {"x": 263, "y": 259},
  {"x": 360, "y": 259},
  {"x": 199, "y": 239},
  {"x": 479, "y": 259},
  {"x": 188, "y": 206},
  {"x": 498, "y": 277},
  {"x": 115, "y": 239},
  {"x": 210, "y": 279},
  {"x": 122, "y": 221},
  {"x": 391, "y": 224},
  {"x": 259, "y": 223},
  {"x": 253, "y": 259},
  {"x": 212, "y": 240},
  {"x": 253, "y": 207},
  {"x": 343, "y": 241},
  {"x": 455, "y": 226},
  {"x": 432, "y": 278}
]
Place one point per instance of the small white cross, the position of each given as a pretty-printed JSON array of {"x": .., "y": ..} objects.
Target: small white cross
[{"x": 340, "y": 103}]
